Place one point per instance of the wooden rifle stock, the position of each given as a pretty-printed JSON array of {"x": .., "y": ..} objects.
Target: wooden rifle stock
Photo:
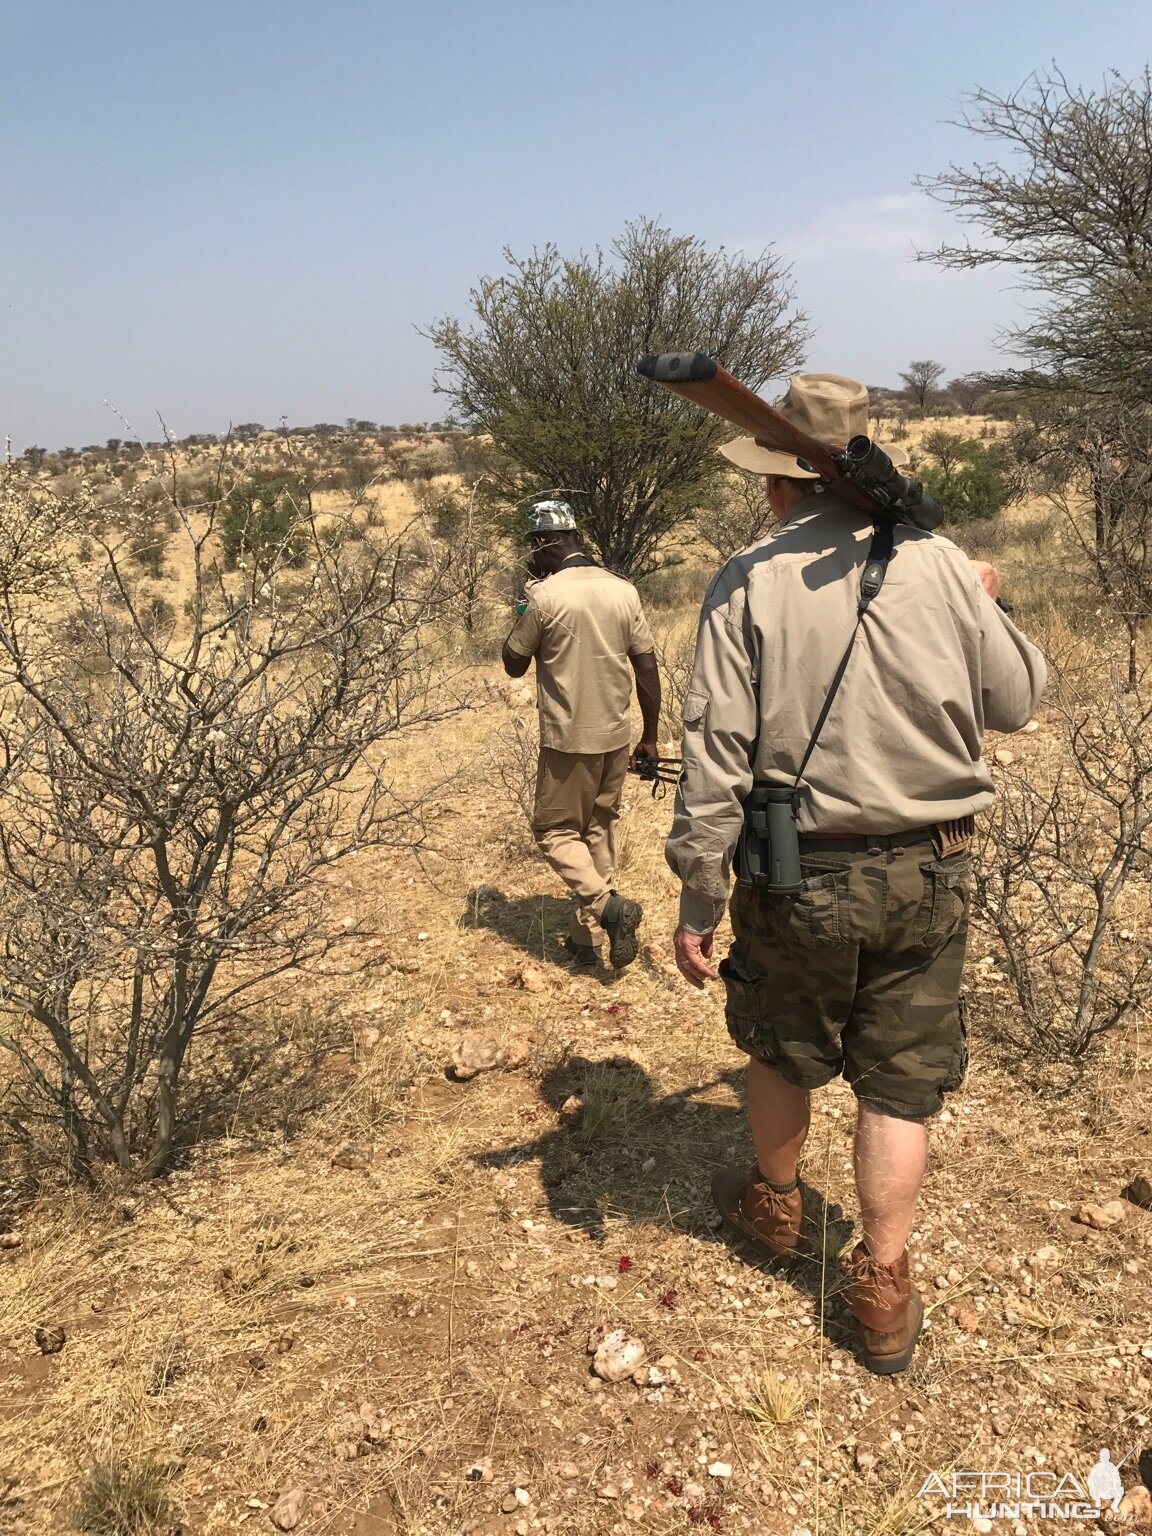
[{"x": 697, "y": 377}]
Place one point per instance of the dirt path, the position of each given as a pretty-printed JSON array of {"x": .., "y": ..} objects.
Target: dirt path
[{"x": 407, "y": 1343}]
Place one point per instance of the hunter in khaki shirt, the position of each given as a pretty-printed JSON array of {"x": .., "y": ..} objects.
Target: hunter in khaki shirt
[
  {"x": 588, "y": 634},
  {"x": 582, "y": 624},
  {"x": 851, "y": 966},
  {"x": 935, "y": 664}
]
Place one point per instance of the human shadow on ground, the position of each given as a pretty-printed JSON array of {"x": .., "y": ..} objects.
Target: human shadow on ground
[
  {"x": 535, "y": 924},
  {"x": 613, "y": 1122}
]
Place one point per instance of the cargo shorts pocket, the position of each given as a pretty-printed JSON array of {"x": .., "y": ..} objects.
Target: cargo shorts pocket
[
  {"x": 744, "y": 1011},
  {"x": 944, "y": 905},
  {"x": 818, "y": 913},
  {"x": 958, "y": 1071}
]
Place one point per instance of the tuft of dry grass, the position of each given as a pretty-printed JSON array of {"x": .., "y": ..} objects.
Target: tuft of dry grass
[
  {"x": 124, "y": 1496},
  {"x": 775, "y": 1400},
  {"x": 615, "y": 1100},
  {"x": 1043, "y": 1318}
]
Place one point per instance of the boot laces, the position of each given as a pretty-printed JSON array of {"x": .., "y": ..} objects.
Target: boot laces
[
  {"x": 778, "y": 1203},
  {"x": 780, "y": 1207},
  {"x": 871, "y": 1275}
]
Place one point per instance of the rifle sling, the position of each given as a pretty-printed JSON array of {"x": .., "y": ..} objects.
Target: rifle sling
[{"x": 871, "y": 580}]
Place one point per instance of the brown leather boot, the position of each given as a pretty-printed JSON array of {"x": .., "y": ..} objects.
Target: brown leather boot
[
  {"x": 887, "y": 1307},
  {"x": 774, "y": 1221}
]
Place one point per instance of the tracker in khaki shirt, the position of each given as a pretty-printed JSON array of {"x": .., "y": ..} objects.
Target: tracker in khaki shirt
[
  {"x": 935, "y": 663},
  {"x": 582, "y": 623}
]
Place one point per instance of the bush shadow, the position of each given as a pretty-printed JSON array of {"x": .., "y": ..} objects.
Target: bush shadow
[{"x": 623, "y": 1150}]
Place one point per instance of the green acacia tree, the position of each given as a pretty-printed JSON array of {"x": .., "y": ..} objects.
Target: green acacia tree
[
  {"x": 262, "y": 520},
  {"x": 1069, "y": 207},
  {"x": 546, "y": 367},
  {"x": 969, "y": 479}
]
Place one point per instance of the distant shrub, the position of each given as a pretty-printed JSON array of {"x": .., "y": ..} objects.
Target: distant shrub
[
  {"x": 968, "y": 478},
  {"x": 740, "y": 517},
  {"x": 261, "y": 520},
  {"x": 148, "y": 550},
  {"x": 675, "y": 586}
]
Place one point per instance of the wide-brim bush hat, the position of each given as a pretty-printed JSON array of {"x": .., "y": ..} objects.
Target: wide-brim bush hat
[{"x": 830, "y": 408}]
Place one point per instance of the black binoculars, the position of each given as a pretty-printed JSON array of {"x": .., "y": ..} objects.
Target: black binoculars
[{"x": 768, "y": 857}]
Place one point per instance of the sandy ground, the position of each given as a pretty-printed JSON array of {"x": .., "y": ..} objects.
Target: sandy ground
[{"x": 372, "y": 1289}]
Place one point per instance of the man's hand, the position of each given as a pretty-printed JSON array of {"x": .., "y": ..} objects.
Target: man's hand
[
  {"x": 693, "y": 952},
  {"x": 644, "y": 750},
  {"x": 989, "y": 578}
]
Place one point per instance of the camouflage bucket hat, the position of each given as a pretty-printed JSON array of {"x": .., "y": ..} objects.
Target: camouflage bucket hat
[{"x": 551, "y": 517}]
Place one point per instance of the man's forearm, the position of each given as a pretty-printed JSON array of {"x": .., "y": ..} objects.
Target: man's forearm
[{"x": 648, "y": 693}]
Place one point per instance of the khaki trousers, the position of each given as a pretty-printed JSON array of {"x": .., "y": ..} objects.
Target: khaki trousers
[{"x": 574, "y": 824}]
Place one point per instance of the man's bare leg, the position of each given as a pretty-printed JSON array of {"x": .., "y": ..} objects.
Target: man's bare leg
[
  {"x": 778, "y": 1112},
  {"x": 890, "y": 1157}
]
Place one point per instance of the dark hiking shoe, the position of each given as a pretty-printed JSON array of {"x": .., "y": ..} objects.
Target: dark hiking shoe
[
  {"x": 584, "y": 957},
  {"x": 887, "y": 1308},
  {"x": 751, "y": 1208},
  {"x": 620, "y": 919}
]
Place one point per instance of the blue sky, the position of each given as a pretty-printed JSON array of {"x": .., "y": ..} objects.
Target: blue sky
[{"x": 235, "y": 210}]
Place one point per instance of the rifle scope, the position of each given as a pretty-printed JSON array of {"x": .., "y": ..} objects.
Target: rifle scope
[{"x": 874, "y": 472}]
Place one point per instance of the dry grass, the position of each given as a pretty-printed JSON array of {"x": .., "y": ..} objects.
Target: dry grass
[
  {"x": 776, "y": 1400},
  {"x": 225, "y": 1326},
  {"x": 124, "y": 1497}
]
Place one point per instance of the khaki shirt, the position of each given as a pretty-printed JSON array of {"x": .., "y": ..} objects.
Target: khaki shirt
[
  {"x": 582, "y": 624},
  {"x": 935, "y": 663}
]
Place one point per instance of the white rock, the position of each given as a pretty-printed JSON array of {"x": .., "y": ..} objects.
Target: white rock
[
  {"x": 617, "y": 1356},
  {"x": 1004, "y": 758},
  {"x": 287, "y": 1510},
  {"x": 572, "y": 1109},
  {"x": 473, "y": 1054},
  {"x": 720, "y": 1469}
]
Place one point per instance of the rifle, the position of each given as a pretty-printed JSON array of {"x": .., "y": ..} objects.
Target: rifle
[{"x": 861, "y": 473}]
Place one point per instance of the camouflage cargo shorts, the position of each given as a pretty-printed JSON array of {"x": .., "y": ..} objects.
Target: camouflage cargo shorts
[{"x": 857, "y": 974}]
